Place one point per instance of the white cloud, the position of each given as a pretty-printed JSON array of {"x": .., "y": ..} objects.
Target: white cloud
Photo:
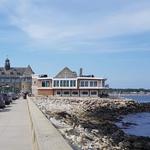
[
  {"x": 45, "y": 24},
  {"x": 125, "y": 23},
  {"x": 29, "y": 19}
]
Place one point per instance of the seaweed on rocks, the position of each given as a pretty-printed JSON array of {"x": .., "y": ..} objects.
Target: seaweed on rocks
[{"x": 89, "y": 123}]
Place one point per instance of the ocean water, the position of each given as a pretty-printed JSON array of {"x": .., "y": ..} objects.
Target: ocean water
[
  {"x": 138, "y": 123},
  {"x": 139, "y": 98}
]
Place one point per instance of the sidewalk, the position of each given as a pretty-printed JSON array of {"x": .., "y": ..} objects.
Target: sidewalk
[{"x": 15, "y": 132}]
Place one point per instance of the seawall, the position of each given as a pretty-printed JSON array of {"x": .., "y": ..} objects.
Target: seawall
[{"x": 44, "y": 135}]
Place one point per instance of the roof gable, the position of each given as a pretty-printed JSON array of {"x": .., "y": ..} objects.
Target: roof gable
[
  {"x": 28, "y": 71},
  {"x": 66, "y": 73}
]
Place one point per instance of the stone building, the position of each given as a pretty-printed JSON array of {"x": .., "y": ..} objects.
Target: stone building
[
  {"x": 68, "y": 83},
  {"x": 15, "y": 79}
]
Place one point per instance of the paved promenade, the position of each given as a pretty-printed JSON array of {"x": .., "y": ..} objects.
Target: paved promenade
[{"x": 15, "y": 132}]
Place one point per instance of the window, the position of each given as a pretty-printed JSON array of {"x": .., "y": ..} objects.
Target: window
[
  {"x": 29, "y": 80},
  {"x": 2, "y": 80},
  {"x": 64, "y": 83},
  {"x": 85, "y": 93},
  {"x": 54, "y": 83},
  {"x": 57, "y": 83},
  {"x": 95, "y": 83},
  {"x": 25, "y": 79},
  {"x": 103, "y": 83},
  {"x": 67, "y": 83},
  {"x": 33, "y": 82},
  {"x": 91, "y": 84},
  {"x": 45, "y": 84},
  {"x": 17, "y": 80},
  {"x": 74, "y": 93},
  {"x": 58, "y": 92},
  {"x": 60, "y": 83},
  {"x": 82, "y": 83},
  {"x": 7, "y": 80},
  {"x": 86, "y": 83},
  {"x": 66, "y": 93},
  {"x": 93, "y": 93},
  {"x": 72, "y": 83},
  {"x": 13, "y": 80}
]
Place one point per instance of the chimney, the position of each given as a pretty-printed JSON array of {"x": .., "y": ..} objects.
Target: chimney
[{"x": 81, "y": 72}]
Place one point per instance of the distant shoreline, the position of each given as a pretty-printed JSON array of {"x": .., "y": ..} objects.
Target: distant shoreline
[{"x": 130, "y": 94}]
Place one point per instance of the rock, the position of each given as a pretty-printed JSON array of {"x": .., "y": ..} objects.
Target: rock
[
  {"x": 138, "y": 145},
  {"x": 80, "y": 139},
  {"x": 95, "y": 131},
  {"x": 89, "y": 122},
  {"x": 118, "y": 136}
]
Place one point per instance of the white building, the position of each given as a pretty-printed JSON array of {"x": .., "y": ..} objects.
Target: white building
[{"x": 67, "y": 83}]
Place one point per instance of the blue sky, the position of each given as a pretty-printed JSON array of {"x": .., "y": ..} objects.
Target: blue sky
[{"x": 107, "y": 38}]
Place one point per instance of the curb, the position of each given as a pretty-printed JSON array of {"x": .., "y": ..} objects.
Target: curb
[{"x": 44, "y": 135}]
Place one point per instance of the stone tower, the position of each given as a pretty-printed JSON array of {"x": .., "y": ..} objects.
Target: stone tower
[{"x": 7, "y": 64}]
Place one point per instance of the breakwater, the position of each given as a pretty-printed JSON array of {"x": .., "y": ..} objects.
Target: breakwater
[{"x": 89, "y": 123}]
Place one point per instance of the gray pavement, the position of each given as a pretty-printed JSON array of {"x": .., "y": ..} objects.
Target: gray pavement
[{"x": 15, "y": 132}]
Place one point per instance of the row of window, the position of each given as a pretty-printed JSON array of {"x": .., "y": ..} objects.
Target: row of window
[
  {"x": 64, "y": 83},
  {"x": 84, "y": 93},
  {"x": 88, "y": 83},
  {"x": 69, "y": 83},
  {"x": 45, "y": 84},
  {"x": 60, "y": 83},
  {"x": 10, "y": 80},
  {"x": 14, "y": 80},
  {"x": 11, "y": 73}
]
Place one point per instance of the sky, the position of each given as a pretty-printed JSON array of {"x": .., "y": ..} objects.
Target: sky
[{"x": 109, "y": 39}]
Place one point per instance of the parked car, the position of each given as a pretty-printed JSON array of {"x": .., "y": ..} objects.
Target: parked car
[
  {"x": 6, "y": 98},
  {"x": 9, "y": 97},
  {"x": 2, "y": 102},
  {"x": 14, "y": 96}
]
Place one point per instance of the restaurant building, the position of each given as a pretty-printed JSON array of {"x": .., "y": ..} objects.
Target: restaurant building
[{"x": 68, "y": 83}]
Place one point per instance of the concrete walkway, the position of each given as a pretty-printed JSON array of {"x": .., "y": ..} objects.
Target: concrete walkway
[{"x": 15, "y": 132}]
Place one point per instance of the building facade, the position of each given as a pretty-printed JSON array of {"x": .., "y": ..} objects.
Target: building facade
[
  {"x": 67, "y": 83},
  {"x": 15, "y": 79}
]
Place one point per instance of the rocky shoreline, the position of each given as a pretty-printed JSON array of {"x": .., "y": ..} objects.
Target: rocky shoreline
[{"x": 89, "y": 123}]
